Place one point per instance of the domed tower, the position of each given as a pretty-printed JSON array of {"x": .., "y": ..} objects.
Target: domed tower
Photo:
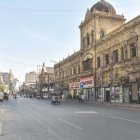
[
  {"x": 99, "y": 20},
  {"x": 104, "y": 7}
]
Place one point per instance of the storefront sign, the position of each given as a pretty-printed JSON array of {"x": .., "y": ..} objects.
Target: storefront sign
[
  {"x": 132, "y": 80},
  {"x": 75, "y": 85},
  {"x": 87, "y": 82}
]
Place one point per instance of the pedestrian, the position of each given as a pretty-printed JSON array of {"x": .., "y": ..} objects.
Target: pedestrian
[
  {"x": 79, "y": 98},
  {"x": 83, "y": 98}
]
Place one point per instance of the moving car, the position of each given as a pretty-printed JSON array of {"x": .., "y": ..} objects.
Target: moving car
[
  {"x": 6, "y": 96},
  {"x": 55, "y": 98},
  {"x": 1, "y": 96}
]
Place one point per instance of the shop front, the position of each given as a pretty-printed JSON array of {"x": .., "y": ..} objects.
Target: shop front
[
  {"x": 134, "y": 82},
  {"x": 87, "y": 87},
  {"x": 74, "y": 89}
]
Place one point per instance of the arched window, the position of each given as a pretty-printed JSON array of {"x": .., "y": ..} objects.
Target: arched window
[
  {"x": 88, "y": 40},
  {"x": 87, "y": 64},
  {"x": 83, "y": 42},
  {"x": 78, "y": 69},
  {"x": 133, "y": 50},
  {"x": 70, "y": 71},
  {"x": 91, "y": 37}
]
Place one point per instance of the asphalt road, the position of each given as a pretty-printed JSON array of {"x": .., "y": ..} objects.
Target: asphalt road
[{"x": 36, "y": 119}]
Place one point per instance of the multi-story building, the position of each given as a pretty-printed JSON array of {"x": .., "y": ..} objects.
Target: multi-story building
[
  {"x": 107, "y": 66},
  {"x": 31, "y": 77},
  {"x": 46, "y": 78},
  {"x": 8, "y": 80},
  {"x": 7, "y": 77}
]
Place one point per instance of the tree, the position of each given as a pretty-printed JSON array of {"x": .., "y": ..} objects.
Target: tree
[{"x": 1, "y": 88}]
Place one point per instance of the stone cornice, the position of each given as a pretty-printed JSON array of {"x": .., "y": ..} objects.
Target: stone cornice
[
  {"x": 120, "y": 30},
  {"x": 76, "y": 54},
  {"x": 101, "y": 14}
]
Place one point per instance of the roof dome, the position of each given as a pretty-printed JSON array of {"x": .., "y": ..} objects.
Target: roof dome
[{"x": 103, "y": 6}]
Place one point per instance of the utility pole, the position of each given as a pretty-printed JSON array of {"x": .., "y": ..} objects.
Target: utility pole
[
  {"x": 48, "y": 87},
  {"x": 58, "y": 63},
  {"x": 37, "y": 78}
]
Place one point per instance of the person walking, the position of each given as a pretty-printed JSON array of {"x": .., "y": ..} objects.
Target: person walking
[
  {"x": 80, "y": 98},
  {"x": 83, "y": 98}
]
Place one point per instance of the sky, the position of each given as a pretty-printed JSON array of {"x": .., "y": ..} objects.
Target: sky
[{"x": 33, "y": 31}]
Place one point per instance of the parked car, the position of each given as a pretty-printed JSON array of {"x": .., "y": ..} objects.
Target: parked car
[
  {"x": 6, "y": 96},
  {"x": 1, "y": 96}
]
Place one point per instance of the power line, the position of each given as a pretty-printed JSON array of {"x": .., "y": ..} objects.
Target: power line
[
  {"x": 42, "y": 10},
  {"x": 16, "y": 62}
]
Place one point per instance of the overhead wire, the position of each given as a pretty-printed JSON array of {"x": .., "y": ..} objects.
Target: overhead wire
[
  {"x": 42, "y": 10},
  {"x": 16, "y": 62}
]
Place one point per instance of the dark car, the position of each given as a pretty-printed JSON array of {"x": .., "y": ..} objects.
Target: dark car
[{"x": 6, "y": 96}]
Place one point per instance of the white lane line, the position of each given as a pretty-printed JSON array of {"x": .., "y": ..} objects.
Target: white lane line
[
  {"x": 0, "y": 128},
  {"x": 86, "y": 112},
  {"x": 114, "y": 117},
  {"x": 70, "y": 124}
]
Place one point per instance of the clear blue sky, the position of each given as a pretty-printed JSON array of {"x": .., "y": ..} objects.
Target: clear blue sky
[{"x": 33, "y": 31}]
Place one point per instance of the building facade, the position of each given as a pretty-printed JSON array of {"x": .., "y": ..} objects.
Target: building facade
[
  {"x": 31, "y": 77},
  {"x": 8, "y": 80},
  {"x": 107, "y": 66},
  {"x": 46, "y": 79}
]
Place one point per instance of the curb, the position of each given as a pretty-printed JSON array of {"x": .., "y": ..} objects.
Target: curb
[{"x": 98, "y": 103}]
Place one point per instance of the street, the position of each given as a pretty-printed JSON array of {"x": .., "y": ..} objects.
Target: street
[{"x": 37, "y": 119}]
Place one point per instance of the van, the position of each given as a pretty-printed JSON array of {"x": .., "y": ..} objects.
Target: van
[{"x": 1, "y": 96}]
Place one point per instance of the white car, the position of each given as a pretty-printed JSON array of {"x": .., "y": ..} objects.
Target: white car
[{"x": 1, "y": 96}]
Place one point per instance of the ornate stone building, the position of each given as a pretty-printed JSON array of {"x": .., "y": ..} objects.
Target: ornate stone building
[
  {"x": 108, "y": 62},
  {"x": 46, "y": 79}
]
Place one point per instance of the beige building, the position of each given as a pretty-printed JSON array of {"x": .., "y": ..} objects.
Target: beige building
[
  {"x": 107, "y": 66},
  {"x": 30, "y": 78},
  {"x": 46, "y": 78}
]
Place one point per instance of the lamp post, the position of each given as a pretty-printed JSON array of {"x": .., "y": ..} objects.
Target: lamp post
[{"x": 37, "y": 78}]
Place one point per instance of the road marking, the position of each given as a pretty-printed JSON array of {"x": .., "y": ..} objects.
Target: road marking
[
  {"x": 86, "y": 112},
  {"x": 0, "y": 128},
  {"x": 114, "y": 117},
  {"x": 2, "y": 111},
  {"x": 70, "y": 124}
]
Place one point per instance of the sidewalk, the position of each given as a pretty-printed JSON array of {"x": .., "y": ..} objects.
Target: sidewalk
[{"x": 124, "y": 105}]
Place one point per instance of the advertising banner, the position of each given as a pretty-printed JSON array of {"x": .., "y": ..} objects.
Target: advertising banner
[{"x": 87, "y": 82}]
